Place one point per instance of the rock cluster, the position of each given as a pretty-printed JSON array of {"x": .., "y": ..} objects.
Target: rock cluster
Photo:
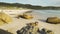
[{"x": 32, "y": 28}]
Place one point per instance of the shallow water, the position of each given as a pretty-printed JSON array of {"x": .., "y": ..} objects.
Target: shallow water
[{"x": 47, "y": 13}]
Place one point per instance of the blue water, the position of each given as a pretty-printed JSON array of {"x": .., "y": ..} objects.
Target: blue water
[{"x": 47, "y": 13}]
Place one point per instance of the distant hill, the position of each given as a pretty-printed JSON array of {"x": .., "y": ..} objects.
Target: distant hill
[{"x": 28, "y": 6}]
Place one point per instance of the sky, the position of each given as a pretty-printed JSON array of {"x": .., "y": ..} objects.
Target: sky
[{"x": 35, "y": 2}]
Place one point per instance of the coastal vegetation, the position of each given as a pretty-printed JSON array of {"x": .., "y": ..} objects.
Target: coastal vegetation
[{"x": 4, "y": 5}]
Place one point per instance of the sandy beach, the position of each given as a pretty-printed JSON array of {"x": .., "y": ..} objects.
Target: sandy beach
[{"x": 17, "y": 24}]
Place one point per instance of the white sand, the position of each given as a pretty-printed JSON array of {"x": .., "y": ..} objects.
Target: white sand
[{"x": 17, "y": 24}]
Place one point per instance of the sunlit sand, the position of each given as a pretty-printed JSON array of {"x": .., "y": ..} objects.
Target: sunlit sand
[{"x": 17, "y": 24}]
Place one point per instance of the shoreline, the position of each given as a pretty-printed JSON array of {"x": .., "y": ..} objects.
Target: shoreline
[{"x": 17, "y": 24}]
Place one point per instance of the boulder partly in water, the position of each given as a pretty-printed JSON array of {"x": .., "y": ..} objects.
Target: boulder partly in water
[{"x": 53, "y": 20}]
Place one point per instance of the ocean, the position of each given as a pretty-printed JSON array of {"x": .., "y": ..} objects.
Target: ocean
[{"x": 47, "y": 13}]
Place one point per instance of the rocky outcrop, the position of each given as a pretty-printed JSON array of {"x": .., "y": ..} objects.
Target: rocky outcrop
[
  {"x": 25, "y": 16},
  {"x": 4, "y": 32},
  {"x": 46, "y": 31},
  {"x": 53, "y": 20},
  {"x": 31, "y": 28},
  {"x": 4, "y": 18}
]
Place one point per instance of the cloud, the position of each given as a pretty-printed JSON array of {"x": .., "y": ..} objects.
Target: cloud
[{"x": 56, "y": 2}]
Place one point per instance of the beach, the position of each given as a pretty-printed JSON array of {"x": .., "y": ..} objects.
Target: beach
[{"x": 17, "y": 24}]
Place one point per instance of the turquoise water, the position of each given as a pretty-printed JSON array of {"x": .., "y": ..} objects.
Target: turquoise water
[{"x": 47, "y": 13}]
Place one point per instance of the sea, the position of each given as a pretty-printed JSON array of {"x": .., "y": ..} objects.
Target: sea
[{"x": 47, "y": 13}]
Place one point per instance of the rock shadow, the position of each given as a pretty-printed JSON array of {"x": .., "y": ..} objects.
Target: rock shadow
[{"x": 4, "y": 32}]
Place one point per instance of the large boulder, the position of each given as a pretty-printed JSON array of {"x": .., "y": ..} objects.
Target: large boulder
[
  {"x": 26, "y": 16},
  {"x": 4, "y": 18},
  {"x": 53, "y": 20},
  {"x": 1, "y": 22}
]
